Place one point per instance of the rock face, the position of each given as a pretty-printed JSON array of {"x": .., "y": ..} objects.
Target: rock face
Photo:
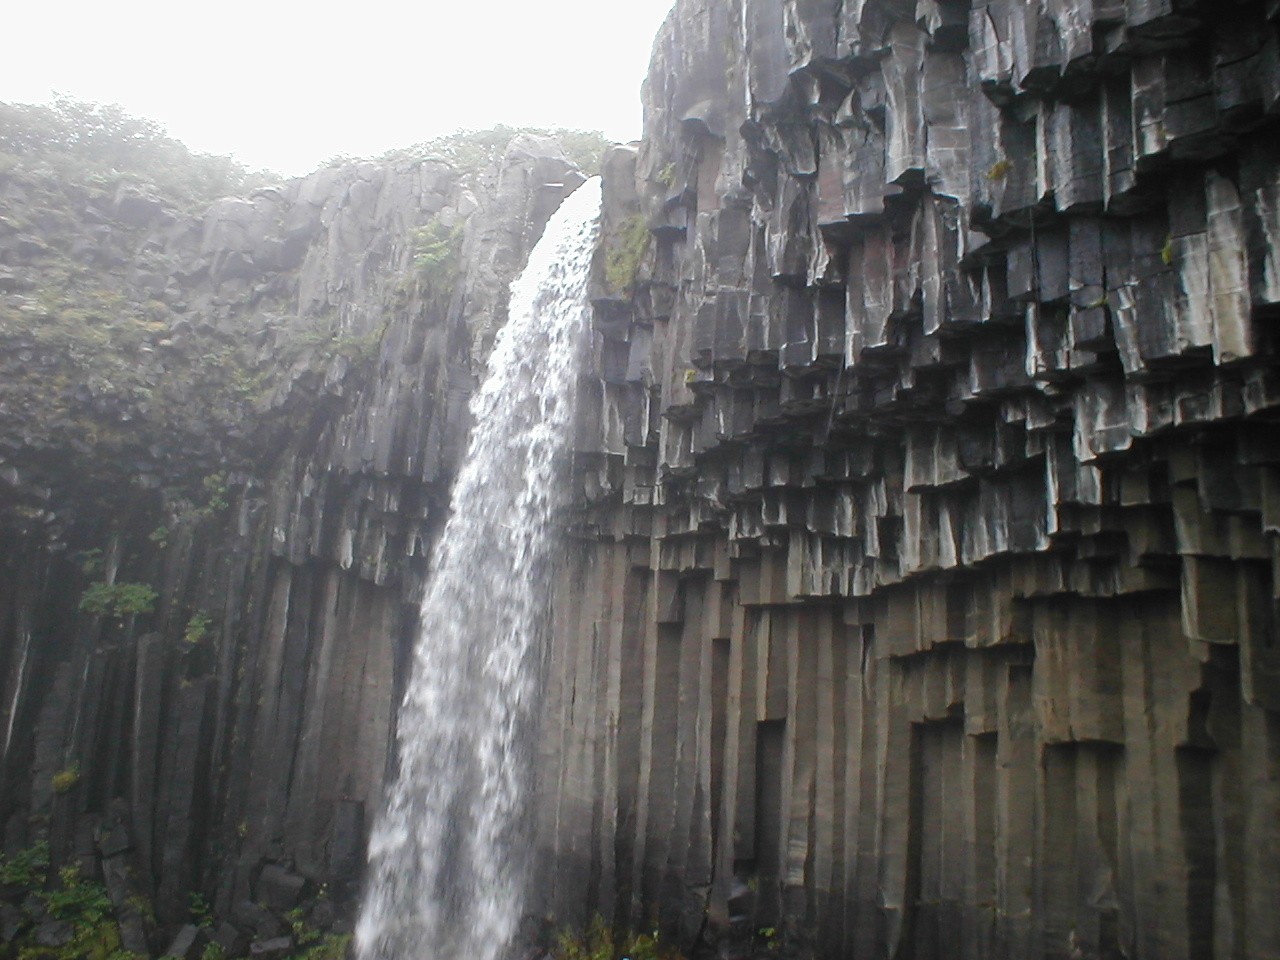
[
  {"x": 233, "y": 741},
  {"x": 922, "y": 598},
  {"x": 925, "y": 598}
]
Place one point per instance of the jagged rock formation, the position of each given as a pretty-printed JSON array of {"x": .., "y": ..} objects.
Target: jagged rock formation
[
  {"x": 925, "y": 600},
  {"x": 234, "y": 742},
  {"x": 922, "y": 598}
]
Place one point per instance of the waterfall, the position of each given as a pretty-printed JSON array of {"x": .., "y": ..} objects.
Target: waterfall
[{"x": 448, "y": 858}]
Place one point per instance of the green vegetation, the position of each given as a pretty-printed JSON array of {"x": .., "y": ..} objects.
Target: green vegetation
[
  {"x": 471, "y": 152},
  {"x": 82, "y": 903},
  {"x": 327, "y": 343},
  {"x": 216, "y": 491},
  {"x": 198, "y": 629},
  {"x": 101, "y": 369},
  {"x": 436, "y": 249},
  {"x": 26, "y": 868},
  {"x": 90, "y": 561},
  {"x": 331, "y": 946},
  {"x": 143, "y": 907},
  {"x": 999, "y": 170},
  {"x": 625, "y": 251},
  {"x": 97, "y": 365},
  {"x": 599, "y": 942},
  {"x": 81, "y": 141},
  {"x": 118, "y": 599},
  {"x": 769, "y": 937},
  {"x": 311, "y": 943},
  {"x": 199, "y": 910},
  {"x": 64, "y": 780}
]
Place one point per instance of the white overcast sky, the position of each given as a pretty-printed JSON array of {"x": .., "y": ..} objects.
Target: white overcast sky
[{"x": 286, "y": 85}]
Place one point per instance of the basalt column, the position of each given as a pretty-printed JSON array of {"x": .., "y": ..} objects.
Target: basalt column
[{"x": 929, "y": 511}]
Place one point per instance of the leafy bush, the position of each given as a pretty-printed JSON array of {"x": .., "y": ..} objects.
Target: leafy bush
[
  {"x": 199, "y": 627},
  {"x": 85, "y": 905},
  {"x": 470, "y": 152},
  {"x": 83, "y": 140},
  {"x": 90, "y": 561},
  {"x": 215, "y": 486},
  {"x": 118, "y": 599},
  {"x": 318, "y": 946},
  {"x": 199, "y": 910},
  {"x": 26, "y": 868},
  {"x": 436, "y": 248},
  {"x": 599, "y": 942}
]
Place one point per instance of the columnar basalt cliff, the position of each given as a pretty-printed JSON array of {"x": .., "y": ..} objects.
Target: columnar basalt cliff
[
  {"x": 307, "y": 355},
  {"x": 922, "y": 592},
  {"x": 926, "y": 601}
]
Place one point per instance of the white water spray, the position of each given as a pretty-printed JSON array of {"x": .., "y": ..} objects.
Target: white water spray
[{"x": 448, "y": 858}]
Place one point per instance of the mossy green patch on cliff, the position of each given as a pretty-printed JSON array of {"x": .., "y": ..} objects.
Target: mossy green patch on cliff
[
  {"x": 625, "y": 251},
  {"x": 64, "y": 780},
  {"x": 110, "y": 380},
  {"x": 88, "y": 364}
]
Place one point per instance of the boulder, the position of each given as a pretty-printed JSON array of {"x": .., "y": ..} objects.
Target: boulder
[
  {"x": 279, "y": 889},
  {"x": 189, "y": 943},
  {"x": 135, "y": 207},
  {"x": 55, "y": 933},
  {"x": 250, "y": 916},
  {"x": 273, "y": 949}
]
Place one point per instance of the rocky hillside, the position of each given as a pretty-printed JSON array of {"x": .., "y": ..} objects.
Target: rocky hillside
[{"x": 227, "y": 432}]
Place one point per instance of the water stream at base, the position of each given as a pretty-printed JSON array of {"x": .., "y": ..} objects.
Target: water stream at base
[{"x": 448, "y": 858}]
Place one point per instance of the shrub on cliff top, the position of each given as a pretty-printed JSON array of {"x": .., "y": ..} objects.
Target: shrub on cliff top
[
  {"x": 473, "y": 151},
  {"x": 82, "y": 140}
]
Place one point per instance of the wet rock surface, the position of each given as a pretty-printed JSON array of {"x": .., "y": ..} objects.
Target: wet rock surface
[
  {"x": 926, "y": 587},
  {"x": 922, "y": 598}
]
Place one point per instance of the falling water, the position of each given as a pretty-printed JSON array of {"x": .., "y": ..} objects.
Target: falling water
[{"x": 447, "y": 860}]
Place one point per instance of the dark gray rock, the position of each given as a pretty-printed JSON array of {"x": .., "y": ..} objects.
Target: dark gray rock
[
  {"x": 273, "y": 949},
  {"x": 279, "y": 889},
  {"x": 54, "y": 933},
  {"x": 233, "y": 941},
  {"x": 250, "y": 916},
  {"x": 135, "y": 207},
  {"x": 12, "y": 922},
  {"x": 189, "y": 943}
]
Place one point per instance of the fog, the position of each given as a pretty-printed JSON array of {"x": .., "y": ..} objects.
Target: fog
[{"x": 288, "y": 85}]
